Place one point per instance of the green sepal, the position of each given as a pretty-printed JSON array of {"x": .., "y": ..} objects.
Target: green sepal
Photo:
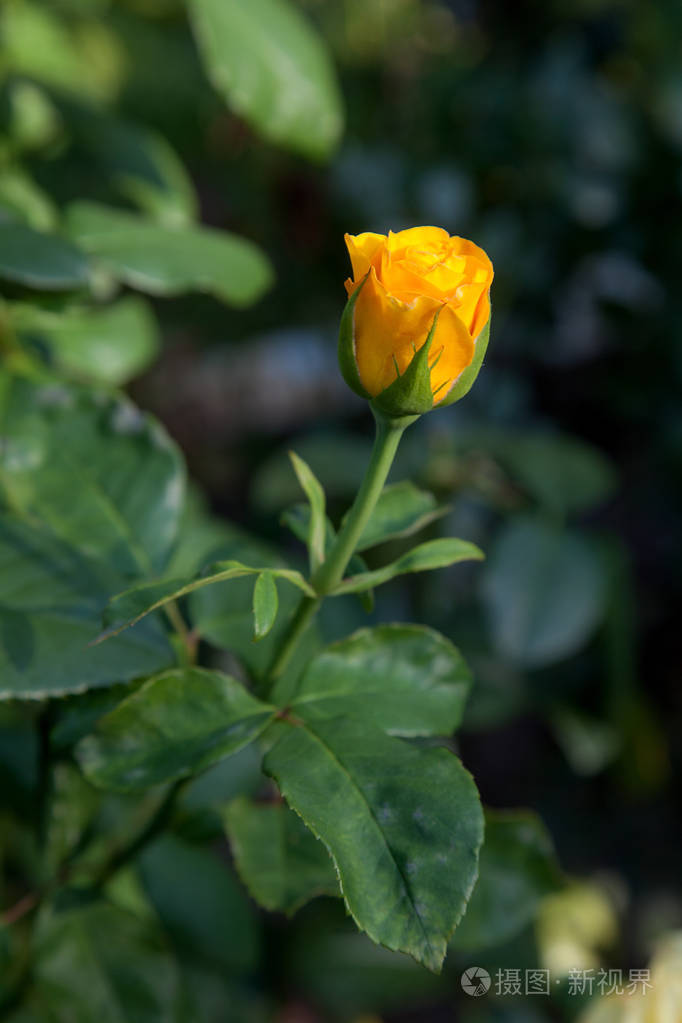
[
  {"x": 466, "y": 379},
  {"x": 410, "y": 393},
  {"x": 349, "y": 367}
]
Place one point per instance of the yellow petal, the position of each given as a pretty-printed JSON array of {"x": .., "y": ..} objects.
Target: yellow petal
[
  {"x": 430, "y": 239},
  {"x": 452, "y": 350},
  {"x": 388, "y": 331},
  {"x": 464, "y": 247},
  {"x": 466, "y": 301},
  {"x": 482, "y": 314},
  {"x": 363, "y": 250},
  {"x": 405, "y": 279}
]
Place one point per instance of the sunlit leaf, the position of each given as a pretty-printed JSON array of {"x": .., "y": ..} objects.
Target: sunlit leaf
[
  {"x": 165, "y": 260},
  {"x": 267, "y": 61},
  {"x": 107, "y": 345}
]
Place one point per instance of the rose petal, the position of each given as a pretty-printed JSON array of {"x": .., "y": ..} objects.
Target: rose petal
[{"x": 363, "y": 249}]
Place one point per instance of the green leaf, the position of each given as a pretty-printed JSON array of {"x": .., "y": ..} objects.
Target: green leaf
[
  {"x": 406, "y": 679},
  {"x": 51, "y": 601},
  {"x": 77, "y": 715},
  {"x": 176, "y": 724},
  {"x": 100, "y": 474},
  {"x": 223, "y": 614},
  {"x": 517, "y": 868},
  {"x": 202, "y": 907},
  {"x": 273, "y": 70},
  {"x": 264, "y": 604},
  {"x": 99, "y": 962},
  {"x": 544, "y": 590},
  {"x": 317, "y": 529},
  {"x": 423, "y": 558},
  {"x": 402, "y": 509},
  {"x": 33, "y": 121},
  {"x": 165, "y": 260},
  {"x": 21, "y": 199},
  {"x": 298, "y": 519},
  {"x": 281, "y": 863},
  {"x": 129, "y": 607},
  {"x": 39, "y": 44},
  {"x": 42, "y": 261},
  {"x": 109, "y": 345},
  {"x": 402, "y": 824}
]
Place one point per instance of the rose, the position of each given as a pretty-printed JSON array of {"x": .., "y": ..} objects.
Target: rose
[{"x": 404, "y": 285}]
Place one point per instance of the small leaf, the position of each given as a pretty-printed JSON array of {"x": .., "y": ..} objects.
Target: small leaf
[
  {"x": 21, "y": 199},
  {"x": 407, "y": 679},
  {"x": 281, "y": 863},
  {"x": 165, "y": 260},
  {"x": 42, "y": 261},
  {"x": 129, "y": 607},
  {"x": 423, "y": 558},
  {"x": 268, "y": 62},
  {"x": 264, "y": 604},
  {"x": 314, "y": 491},
  {"x": 176, "y": 724},
  {"x": 402, "y": 509},
  {"x": 402, "y": 824},
  {"x": 297, "y": 518},
  {"x": 78, "y": 57},
  {"x": 517, "y": 868}
]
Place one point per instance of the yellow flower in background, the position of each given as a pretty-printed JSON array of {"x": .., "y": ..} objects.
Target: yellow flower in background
[
  {"x": 407, "y": 279},
  {"x": 659, "y": 1000}
]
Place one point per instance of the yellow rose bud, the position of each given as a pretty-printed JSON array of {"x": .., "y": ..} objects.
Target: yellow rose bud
[{"x": 408, "y": 283}]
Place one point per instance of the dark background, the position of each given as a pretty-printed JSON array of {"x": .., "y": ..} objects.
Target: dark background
[{"x": 551, "y": 134}]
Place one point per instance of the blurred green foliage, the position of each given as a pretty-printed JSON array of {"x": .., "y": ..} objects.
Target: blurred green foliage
[{"x": 549, "y": 133}]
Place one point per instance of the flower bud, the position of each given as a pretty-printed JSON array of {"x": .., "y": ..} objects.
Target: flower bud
[{"x": 415, "y": 327}]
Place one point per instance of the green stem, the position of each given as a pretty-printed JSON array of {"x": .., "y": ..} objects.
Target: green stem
[{"x": 331, "y": 571}]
